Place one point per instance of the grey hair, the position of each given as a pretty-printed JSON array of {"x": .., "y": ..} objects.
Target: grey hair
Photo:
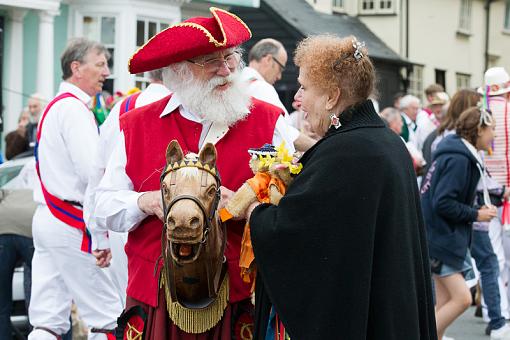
[
  {"x": 389, "y": 114},
  {"x": 406, "y": 100},
  {"x": 156, "y": 74},
  {"x": 39, "y": 98},
  {"x": 176, "y": 75},
  {"x": 76, "y": 50},
  {"x": 263, "y": 48}
]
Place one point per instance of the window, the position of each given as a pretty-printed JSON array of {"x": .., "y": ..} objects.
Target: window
[
  {"x": 465, "y": 16},
  {"x": 507, "y": 16},
  {"x": 416, "y": 81},
  {"x": 146, "y": 29},
  {"x": 367, "y": 5},
  {"x": 102, "y": 28},
  {"x": 338, "y": 6},
  {"x": 377, "y": 6},
  {"x": 463, "y": 81},
  {"x": 441, "y": 78}
]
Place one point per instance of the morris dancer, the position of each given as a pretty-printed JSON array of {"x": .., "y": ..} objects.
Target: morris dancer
[
  {"x": 101, "y": 238},
  {"x": 209, "y": 104},
  {"x": 63, "y": 267}
]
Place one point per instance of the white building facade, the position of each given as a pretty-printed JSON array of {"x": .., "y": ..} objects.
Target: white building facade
[
  {"x": 35, "y": 33},
  {"x": 445, "y": 40}
]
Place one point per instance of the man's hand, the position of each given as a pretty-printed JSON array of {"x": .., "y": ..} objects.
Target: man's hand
[
  {"x": 303, "y": 142},
  {"x": 150, "y": 203},
  {"x": 103, "y": 257},
  {"x": 226, "y": 194},
  {"x": 485, "y": 213}
]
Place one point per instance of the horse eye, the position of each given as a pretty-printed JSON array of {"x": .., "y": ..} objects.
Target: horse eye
[
  {"x": 211, "y": 192},
  {"x": 166, "y": 192}
]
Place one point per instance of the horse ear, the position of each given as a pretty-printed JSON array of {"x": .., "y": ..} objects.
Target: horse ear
[
  {"x": 174, "y": 152},
  {"x": 208, "y": 155}
]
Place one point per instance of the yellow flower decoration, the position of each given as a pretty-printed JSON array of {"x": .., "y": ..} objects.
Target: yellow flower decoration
[
  {"x": 283, "y": 157},
  {"x": 295, "y": 168},
  {"x": 283, "y": 154},
  {"x": 265, "y": 161}
]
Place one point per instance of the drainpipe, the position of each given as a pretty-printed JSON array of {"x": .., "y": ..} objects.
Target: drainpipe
[
  {"x": 407, "y": 29},
  {"x": 409, "y": 68},
  {"x": 487, "y": 7}
]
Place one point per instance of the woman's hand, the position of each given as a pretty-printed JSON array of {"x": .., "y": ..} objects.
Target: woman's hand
[{"x": 485, "y": 213}]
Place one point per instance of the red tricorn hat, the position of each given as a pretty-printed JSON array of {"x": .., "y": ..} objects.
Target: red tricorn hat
[{"x": 188, "y": 39}]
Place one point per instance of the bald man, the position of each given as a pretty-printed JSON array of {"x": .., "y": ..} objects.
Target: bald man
[{"x": 266, "y": 63}]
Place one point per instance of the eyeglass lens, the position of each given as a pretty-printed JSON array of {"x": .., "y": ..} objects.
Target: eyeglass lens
[{"x": 231, "y": 61}]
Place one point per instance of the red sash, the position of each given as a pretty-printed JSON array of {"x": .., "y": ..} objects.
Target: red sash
[
  {"x": 62, "y": 210},
  {"x": 128, "y": 103}
]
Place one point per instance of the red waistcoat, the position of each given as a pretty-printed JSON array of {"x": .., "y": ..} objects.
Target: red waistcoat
[{"x": 147, "y": 136}]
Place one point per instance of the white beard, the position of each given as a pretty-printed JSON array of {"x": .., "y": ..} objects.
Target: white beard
[{"x": 201, "y": 98}]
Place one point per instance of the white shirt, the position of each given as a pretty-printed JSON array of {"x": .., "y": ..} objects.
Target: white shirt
[
  {"x": 68, "y": 142},
  {"x": 110, "y": 129},
  {"x": 259, "y": 88},
  {"x": 411, "y": 126},
  {"x": 110, "y": 134},
  {"x": 116, "y": 201},
  {"x": 426, "y": 125}
]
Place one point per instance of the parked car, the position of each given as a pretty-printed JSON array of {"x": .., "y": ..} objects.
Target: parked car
[{"x": 12, "y": 178}]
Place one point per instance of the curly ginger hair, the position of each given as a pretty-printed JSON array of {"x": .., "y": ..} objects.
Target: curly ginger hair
[{"x": 330, "y": 63}]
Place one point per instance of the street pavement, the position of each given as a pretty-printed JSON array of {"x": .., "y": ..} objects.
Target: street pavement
[{"x": 468, "y": 327}]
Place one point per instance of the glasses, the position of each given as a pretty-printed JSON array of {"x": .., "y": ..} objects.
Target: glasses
[
  {"x": 213, "y": 65},
  {"x": 282, "y": 67}
]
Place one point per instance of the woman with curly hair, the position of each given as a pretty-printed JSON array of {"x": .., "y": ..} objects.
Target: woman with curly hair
[{"x": 343, "y": 255}]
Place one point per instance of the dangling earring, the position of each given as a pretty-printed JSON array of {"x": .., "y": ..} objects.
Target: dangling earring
[{"x": 335, "y": 121}]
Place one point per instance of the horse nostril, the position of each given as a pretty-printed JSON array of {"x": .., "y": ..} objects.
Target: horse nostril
[{"x": 194, "y": 222}]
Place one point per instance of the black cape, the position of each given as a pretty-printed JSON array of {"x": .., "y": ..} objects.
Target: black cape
[{"x": 344, "y": 255}]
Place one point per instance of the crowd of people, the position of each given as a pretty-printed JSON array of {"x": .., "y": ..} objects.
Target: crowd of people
[
  {"x": 459, "y": 148},
  {"x": 392, "y": 243}
]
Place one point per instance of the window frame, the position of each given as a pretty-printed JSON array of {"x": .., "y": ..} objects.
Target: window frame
[
  {"x": 143, "y": 81},
  {"x": 109, "y": 46},
  {"x": 506, "y": 19},
  {"x": 338, "y": 8},
  {"x": 416, "y": 85},
  {"x": 377, "y": 10},
  {"x": 465, "y": 17},
  {"x": 460, "y": 77}
]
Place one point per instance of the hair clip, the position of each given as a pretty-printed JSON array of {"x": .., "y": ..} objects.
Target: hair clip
[
  {"x": 485, "y": 115},
  {"x": 358, "y": 46}
]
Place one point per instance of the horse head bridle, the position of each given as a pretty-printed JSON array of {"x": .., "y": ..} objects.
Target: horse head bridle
[{"x": 208, "y": 216}]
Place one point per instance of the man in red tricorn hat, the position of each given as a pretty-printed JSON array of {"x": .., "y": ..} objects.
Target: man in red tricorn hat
[{"x": 201, "y": 62}]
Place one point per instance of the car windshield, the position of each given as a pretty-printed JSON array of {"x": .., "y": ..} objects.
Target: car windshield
[
  {"x": 18, "y": 174},
  {"x": 8, "y": 173}
]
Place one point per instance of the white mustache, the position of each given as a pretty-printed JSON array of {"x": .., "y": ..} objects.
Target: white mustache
[{"x": 217, "y": 80}]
